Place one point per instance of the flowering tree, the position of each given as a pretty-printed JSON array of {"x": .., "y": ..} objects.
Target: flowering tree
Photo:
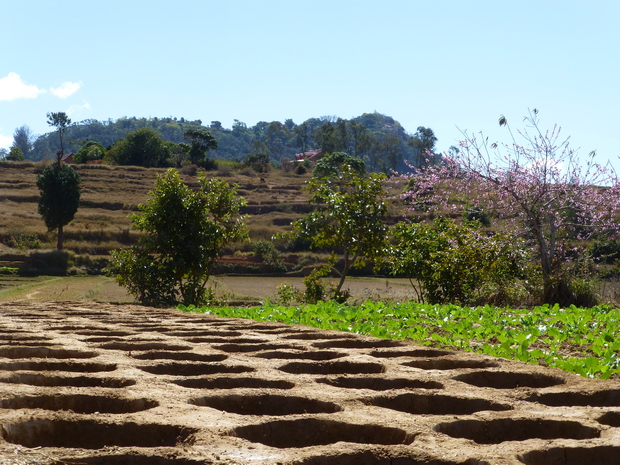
[{"x": 536, "y": 182}]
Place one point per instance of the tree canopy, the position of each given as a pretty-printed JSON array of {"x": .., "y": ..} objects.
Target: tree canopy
[
  {"x": 142, "y": 147},
  {"x": 59, "y": 185},
  {"x": 537, "y": 183},
  {"x": 331, "y": 164},
  {"x": 349, "y": 219}
]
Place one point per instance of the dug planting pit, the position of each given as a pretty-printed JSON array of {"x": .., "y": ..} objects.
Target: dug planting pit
[
  {"x": 357, "y": 343},
  {"x": 380, "y": 384},
  {"x": 43, "y": 352},
  {"x": 139, "y": 346},
  {"x": 90, "y": 434},
  {"x": 81, "y": 367},
  {"x": 450, "y": 364},
  {"x": 234, "y": 383},
  {"x": 602, "y": 455},
  {"x": 607, "y": 398},
  {"x": 232, "y": 348},
  {"x": 266, "y": 404},
  {"x": 516, "y": 429},
  {"x": 79, "y": 403},
  {"x": 437, "y": 404},
  {"x": 301, "y": 355},
  {"x": 194, "y": 369},
  {"x": 73, "y": 381},
  {"x": 332, "y": 368},
  {"x": 187, "y": 356},
  {"x": 410, "y": 353},
  {"x": 135, "y": 385},
  {"x": 314, "y": 432},
  {"x": 509, "y": 379}
]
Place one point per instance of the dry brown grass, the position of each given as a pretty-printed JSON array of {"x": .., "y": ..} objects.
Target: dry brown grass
[
  {"x": 236, "y": 290},
  {"x": 110, "y": 194}
]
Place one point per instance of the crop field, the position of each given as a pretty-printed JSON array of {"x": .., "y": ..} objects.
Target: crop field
[{"x": 585, "y": 341}]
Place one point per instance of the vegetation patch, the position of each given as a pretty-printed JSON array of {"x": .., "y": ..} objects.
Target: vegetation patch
[{"x": 578, "y": 340}]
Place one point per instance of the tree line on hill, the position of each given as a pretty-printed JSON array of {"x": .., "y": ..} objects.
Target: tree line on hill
[{"x": 379, "y": 140}]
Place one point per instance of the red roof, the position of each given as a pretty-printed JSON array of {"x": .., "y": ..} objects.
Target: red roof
[{"x": 312, "y": 155}]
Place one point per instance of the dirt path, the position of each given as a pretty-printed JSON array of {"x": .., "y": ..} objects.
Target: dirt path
[{"x": 108, "y": 384}]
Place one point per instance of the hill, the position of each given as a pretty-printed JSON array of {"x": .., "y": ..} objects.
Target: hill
[{"x": 379, "y": 140}]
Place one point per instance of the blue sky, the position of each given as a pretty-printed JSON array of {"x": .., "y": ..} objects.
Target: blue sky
[{"x": 449, "y": 65}]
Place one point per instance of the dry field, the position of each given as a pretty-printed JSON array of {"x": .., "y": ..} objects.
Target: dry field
[
  {"x": 111, "y": 193},
  {"x": 234, "y": 290}
]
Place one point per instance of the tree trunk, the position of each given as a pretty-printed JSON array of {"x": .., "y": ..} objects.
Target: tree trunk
[
  {"x": 60, "y": 238},
  {"x": 348, "y": 262}
]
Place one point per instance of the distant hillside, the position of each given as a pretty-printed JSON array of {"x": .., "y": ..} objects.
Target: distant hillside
[{"x": 379, "y": 140}]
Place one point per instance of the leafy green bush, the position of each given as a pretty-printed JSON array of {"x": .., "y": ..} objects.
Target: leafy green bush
[
  {"x": 475, "y": 213},
  {"x": 331, "y": 163},
  {"x": 54, "y": 263},
  {"x": 453, "y": 263},
  {"x": 90, "y": 151},
  {"x": 316, "y": 290},
  {"x": 22, "y": 240},
  {"x": 272, "y": 257},
  {"x": 185, "y": 233},
  {"x": 287, "y": 294}
]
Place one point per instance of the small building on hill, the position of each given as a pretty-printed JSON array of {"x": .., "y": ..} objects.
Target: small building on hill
[
  {"x": 68, "y": 158},
  {"x": 312, "y": 155}
]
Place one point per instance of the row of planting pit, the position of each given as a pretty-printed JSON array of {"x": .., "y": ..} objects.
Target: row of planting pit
[{"x": 31, "y": 357}]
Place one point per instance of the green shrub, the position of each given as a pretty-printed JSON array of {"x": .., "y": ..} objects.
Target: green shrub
[
  {"x": 287, "y": 294},
  {"x": 455, "y": 263},
  {"x": 316, "y": 290},
  {"x": 272, "y": 257},
  {"x": 22, "y": 240},
  {"x": 54, "y": 263},
  {"x": 475, "y": 213},
  {"x": 185, "y": 232}
]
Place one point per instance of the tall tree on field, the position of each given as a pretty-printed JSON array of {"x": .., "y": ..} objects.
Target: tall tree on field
[
  {"x": 23, "y": 139},
  {"x": 201, "y": 141},
  {"x": 59, "y": 185},
  {"x": 61, "y": 122}
]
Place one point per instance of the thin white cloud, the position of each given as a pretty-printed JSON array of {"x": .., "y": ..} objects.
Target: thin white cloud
[
  {"x": 66, "y": 89},
  {"x": 5, "y": 142},
  {"x": 77, "y": 109},
  {"x": 12, "y": 87}
]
